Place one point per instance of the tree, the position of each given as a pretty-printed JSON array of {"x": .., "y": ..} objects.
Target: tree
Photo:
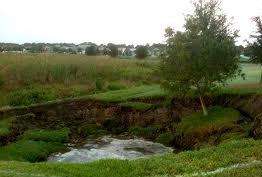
[
  {"x": 141, "y": 52},
  {"x": 255, "y": 48},
  {"x": 91, "y": 50},
  {"x": 203, "y": 56},
  {"x": 113, "y": 50}
]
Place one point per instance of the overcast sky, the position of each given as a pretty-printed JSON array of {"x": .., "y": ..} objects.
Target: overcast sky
[{"x": 103, "y": 21}]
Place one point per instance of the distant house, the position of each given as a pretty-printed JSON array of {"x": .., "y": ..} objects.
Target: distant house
[{"x": 244, "y": 58}]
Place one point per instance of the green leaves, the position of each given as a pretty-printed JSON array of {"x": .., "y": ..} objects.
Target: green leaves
[{"x": 204, "y": 55}]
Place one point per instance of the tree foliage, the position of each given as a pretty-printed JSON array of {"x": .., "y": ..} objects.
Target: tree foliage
[
  {"x": 203, "y": 56},
  {"x": 91, "y": 50},
  {"x": 113, "y": 50},
  {"x": 141, "y": 52},
  {"x": 255, "y": 48}
]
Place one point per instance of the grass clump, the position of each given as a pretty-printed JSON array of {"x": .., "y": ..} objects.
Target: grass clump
[
  {"x": 165, "y": 138},
  {"x": 60, "y": 136},
  {"x": 115, "y": 86},
  {"x": 29, "y": 96},
  {"x": 197, "y": 130},
  {"x": 31, "y": 151},
  {"x": 137, "y": 105},
  {"x": 5, "y": 126},
  {"x": 216, "y": 118},
  {"x": 150, "y": 132},
  {"x": 92, "y": 130}
]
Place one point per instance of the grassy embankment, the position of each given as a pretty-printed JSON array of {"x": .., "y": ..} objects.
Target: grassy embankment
[
  {"x": 207, "y": 159},
  {"x": 35, "y": 145}
]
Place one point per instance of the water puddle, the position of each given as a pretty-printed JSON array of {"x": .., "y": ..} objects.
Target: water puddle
[{"x": 108, "y": 147}]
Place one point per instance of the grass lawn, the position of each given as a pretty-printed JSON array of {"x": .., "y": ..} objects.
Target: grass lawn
[{"x": 204, "y": 160}]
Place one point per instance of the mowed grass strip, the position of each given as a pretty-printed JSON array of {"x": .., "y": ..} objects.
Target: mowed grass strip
[
  {"x": 223, "y": 155},
  {"x": 123, "y": 95}
]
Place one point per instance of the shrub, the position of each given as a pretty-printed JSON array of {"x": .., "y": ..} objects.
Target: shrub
[{"x": 29, "y": 96}]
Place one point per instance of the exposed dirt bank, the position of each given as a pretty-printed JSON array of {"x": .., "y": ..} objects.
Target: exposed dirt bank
[{"x": 75, "y": 113}]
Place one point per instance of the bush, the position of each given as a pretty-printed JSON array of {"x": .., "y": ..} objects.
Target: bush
[
  {"x": 141, "y": 52},
  {"x": 29, "y": 96}
]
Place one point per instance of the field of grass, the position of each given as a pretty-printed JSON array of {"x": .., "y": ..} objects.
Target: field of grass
[
  {"x": 184, "y": 163},
  {"x": 63, "y": 76},
  {"x": 35, "y": 78}
]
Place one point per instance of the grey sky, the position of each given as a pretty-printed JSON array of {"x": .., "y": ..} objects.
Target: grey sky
[{"x": 103, "y": 21}]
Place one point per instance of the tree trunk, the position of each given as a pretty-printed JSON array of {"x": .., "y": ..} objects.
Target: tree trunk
[{"x": 203, "y": 106}]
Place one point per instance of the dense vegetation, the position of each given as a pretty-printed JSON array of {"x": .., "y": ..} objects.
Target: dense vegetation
[{"x": 202, "y": 57}]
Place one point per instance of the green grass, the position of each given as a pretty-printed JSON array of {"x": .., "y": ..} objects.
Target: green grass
[
  {"x": 31, "y": 151},
  {"x": 252, "y": 74},
  {"x": 61, "y": 135},
  {"x": 70, "y": 75},
  {"x": 129, "y": 94},
  {"x": 217, "y": 117},
  {"x": 71, "y": 69},
  {"x": 137, "y": 105},
  {"x": 249, "y": 171},
  {"x": 35, "y": 145},
  {"x": 59, "y": 76},
  {"x": 189, "y": 162},
  {"x": 5, "y": 126}
]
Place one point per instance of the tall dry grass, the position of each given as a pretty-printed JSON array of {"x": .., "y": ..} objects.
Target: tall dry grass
[{"x": 26, "y": 69}]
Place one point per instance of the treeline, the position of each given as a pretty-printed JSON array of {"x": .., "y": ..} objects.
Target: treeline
[{"x": 88, "y": 48}]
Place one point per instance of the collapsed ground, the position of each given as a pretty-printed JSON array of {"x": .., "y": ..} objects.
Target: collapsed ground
[{"x": 31, "y": 133}]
